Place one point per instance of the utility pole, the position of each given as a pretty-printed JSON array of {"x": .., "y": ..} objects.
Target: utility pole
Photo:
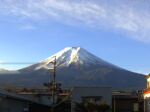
[
  {"x": 53, "y": 90},
  {"x": 54, "y": 80}
]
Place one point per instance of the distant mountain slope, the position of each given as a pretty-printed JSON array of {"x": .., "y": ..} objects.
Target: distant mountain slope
[{"x": 76, "y": 67}]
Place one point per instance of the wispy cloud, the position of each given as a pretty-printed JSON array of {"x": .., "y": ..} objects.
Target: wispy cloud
[{"x": 128, "y": 16}]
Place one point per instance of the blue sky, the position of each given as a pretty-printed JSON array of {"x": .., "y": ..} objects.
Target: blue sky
[{"x": 116, "y": 31}]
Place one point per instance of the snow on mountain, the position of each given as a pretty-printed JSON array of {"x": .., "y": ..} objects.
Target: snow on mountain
[
  {"x": 72, "y": 55},
  {"x": 75, "y": 67}
]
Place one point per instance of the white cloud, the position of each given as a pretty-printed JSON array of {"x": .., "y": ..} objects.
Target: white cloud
[{"x": 128, "y": 16}]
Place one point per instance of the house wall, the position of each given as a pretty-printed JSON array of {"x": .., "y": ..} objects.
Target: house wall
[
  {"x": 148, "y": 82},
  {"x": 127, "y": 105},
  {"x": 10, "y": 105},
  {"x": 42, "y": 98},
  {"x": 147, "y": 96},
  {"x": 79, "y": 92},
  {"x": 147, "y": 105}
]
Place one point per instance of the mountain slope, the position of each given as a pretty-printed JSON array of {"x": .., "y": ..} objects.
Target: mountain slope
[
  {"x": 76, "y": 67},
  {"x": 72, "y": 55}
]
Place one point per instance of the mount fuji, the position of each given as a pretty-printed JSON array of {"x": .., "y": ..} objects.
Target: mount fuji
[{"x": 75, "y": 67}]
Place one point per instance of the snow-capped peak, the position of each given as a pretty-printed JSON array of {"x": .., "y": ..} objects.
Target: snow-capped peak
[
  {"x": 71, "y": 55},
  {"x": 73, "y": 52},
  {"x": 59, "y": 54},
  {"x": 74, "y": 55},
  {"x": 64, "y": 58}
]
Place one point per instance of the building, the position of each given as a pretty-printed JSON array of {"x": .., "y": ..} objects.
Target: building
[
  {"x": 98, "y": 95},
  {"x": 40, "y": 101},
  {"x": 11, "y": 102},
  {"x": 127, "y": 101},
  {"x": 147, "y": 95}
]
